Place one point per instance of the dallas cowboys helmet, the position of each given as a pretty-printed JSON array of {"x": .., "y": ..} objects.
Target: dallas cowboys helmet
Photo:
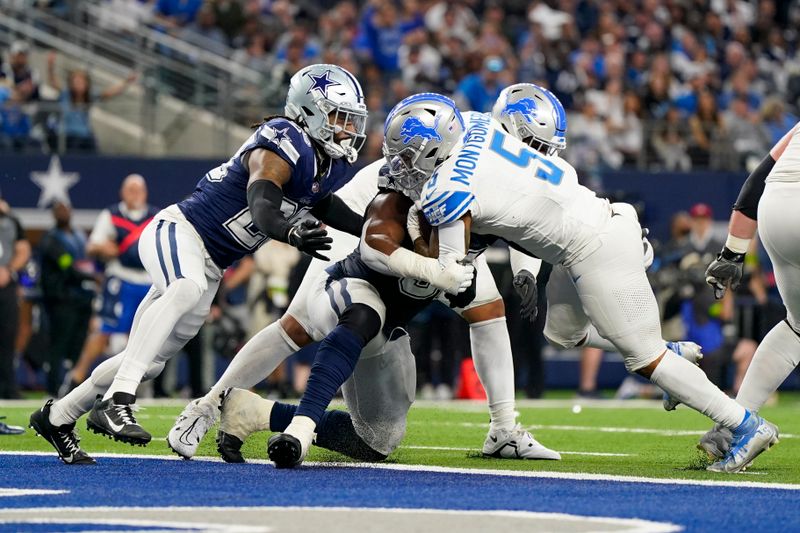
[
  {"x": 419, "y": 135},
  {"x": 534, "y": 115},
  {"x": 326, "y": 100}
]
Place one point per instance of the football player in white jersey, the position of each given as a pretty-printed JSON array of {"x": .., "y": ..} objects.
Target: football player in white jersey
[
  {"x": 768, "y": 202},
  {"x": 490, "y": 342},
  {"x": 512, "y": 184}
]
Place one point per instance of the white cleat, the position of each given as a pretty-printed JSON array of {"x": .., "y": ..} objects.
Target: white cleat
[
  {"x": 690, "y": 351},
  {"x": 191, "y": 426},
  {"x": 746, "y": 446},
  {"x": 516, "y": 444},
  {"x": 242, "y": 414}
]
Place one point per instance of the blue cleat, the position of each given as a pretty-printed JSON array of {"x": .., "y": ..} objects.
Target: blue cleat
[
  {"x": 691, "y": 352},
  {"x": 753, "y": 436}
]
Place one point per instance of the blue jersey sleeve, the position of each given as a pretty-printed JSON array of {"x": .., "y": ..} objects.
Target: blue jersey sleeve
[
  {"x": 445, "y": 201},
  {"x": 286, "y": 139}
]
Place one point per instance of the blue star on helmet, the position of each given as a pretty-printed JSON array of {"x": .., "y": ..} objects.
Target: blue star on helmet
[
  {"x": 321, "y": 83},
  {"x": 524, "y": 106}
]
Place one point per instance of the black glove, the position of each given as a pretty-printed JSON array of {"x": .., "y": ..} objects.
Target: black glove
[
  {"x": 463, "y": 299},
  {"x": 309, "y": 237},
  {"x": 525, "y": 285},
  {"x": 725, "y": 271}
]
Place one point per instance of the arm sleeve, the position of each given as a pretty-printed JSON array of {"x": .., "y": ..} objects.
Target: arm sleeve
[
  {"x": 20, "y": 231},
  {"x": 452, "y": 242},
  {"x": 334, "y": 212},
  {"x": 264, "y": 199},
  {"x": 103, "y": 228},
  {"x": 753, "y": 188},
  {"x": 521, "y": 261}
]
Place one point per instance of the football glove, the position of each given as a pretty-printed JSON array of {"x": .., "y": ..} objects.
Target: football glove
[
  {"x": 310, "y": 237},
  {"x": 525, "y": 285},
  {"x": 725, "y": 271}
]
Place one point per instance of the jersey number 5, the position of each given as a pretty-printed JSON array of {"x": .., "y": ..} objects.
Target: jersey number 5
[{"x": 545, "y": 169}]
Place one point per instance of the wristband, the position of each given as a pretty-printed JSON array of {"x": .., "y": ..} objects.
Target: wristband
[{"x": 737, "y": 244}]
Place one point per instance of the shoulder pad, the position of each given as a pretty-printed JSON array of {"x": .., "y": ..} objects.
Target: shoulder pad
[
  {"x": 285, "y": 138},
  {"x": 445, "y": 201}
]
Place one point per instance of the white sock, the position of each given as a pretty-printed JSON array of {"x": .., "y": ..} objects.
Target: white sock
[
  {"x": 302, "y": 428},
  {"x": 776, "y": 357},
  {"x": 150, "y": 335},
  {"x": 494, "y": 362},
  {"x": 595, "y": 340},
  {"x": 255, "y": 361},
  {"x": 686, "y": 382},
  {"x": 80, "y": 399}
]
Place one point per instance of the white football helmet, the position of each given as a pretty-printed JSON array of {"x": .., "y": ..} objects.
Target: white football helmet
[
  {"x": 419, "y": 134},
  {"x": 326, "y": 100},
  {"x": 534, "y": 115}
]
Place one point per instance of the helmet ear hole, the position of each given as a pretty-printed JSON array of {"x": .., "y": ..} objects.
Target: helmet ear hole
[
  {"x": 431, "y": 153},
  {"x": 307, "y": 111}
]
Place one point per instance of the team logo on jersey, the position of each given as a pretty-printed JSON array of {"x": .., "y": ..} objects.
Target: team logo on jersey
[
  {"x": 280, "y": 135},
  {"x": 525, "y": 107},
  {"x": 321, "y": 83},
  {"x": 413, "y": 127}
]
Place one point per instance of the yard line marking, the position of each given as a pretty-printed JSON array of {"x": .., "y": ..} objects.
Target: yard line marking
[
  {"x": 543, "y": 474},
  {"x": 30, "y": 492},
  {"x": 456, "y": 449}
]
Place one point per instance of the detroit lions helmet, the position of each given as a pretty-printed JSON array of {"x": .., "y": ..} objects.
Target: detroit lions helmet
[
  {"x": 420, "y": 133},
  {"x": 326, "y": 100},
  {"x": 534, "y": 115}
]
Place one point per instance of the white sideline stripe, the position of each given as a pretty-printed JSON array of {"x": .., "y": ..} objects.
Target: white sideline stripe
[
  {"x": 600, "y": 429},
  {"x": 188, "y": 526},
  {"x": 637, "y": 525},
  {"x": 576, "y": 476},
  {"x": 455, "y": 449},
  {"x": 30, "y": 492}
]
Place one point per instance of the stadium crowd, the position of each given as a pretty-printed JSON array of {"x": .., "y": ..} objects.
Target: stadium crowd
[{"x": 673, "y": 85}]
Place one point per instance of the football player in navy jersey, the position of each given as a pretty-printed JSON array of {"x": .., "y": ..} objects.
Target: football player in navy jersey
[{"x": 286, "y": 170}]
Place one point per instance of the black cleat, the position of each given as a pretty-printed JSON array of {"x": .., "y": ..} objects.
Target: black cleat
[
  {"x": 284, "y": 450},
  {"x": 229, "y": 448},
  {"x": 62, "y": 438},
  {"x": 114, "y": 419}
]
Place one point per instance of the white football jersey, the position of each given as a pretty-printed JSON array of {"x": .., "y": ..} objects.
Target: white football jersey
[
  {"x": 516, "y": 193},
  {"x": 787, "y": 168}
]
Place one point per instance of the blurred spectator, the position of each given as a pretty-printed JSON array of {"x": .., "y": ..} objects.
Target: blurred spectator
[
  {"x": 230, "y": 17},
  {"x": 777, "y": 121},
  {"x": 14, "y": 254},
  {"x": 68, "y": 287},
  {"x": 706, "y": 127},
  {"x": 176, "y": 13},
  {"x": 670, "y": 140},
  {"x": 23, "y": 79},
  {"x": 115, "y": 241},
  {"x": 420, "y": 63},
  {"x": 383, "y": 31},
  {"x": 589, "y": 147},
  {"x": 746, "y": 135},
  {"x": 479, "y": 91},
  {"x": 204, "y": 32},
  {"x": 76, "y": 101},
  {"x": 453, "y": 19},
  {"x": 626, "y": 129}
]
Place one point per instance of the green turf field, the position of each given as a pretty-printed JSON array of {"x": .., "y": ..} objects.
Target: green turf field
[{"x": 643, "y": 441}]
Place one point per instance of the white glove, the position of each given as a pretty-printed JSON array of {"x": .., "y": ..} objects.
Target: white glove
[
  {"x": 412, "y": 223},
  {"x": 454, "y": 278}
]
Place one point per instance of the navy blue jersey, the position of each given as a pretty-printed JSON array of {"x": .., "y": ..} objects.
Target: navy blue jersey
[
  {"x": 128, "y": 231},
  {"x": 404, "y": 297},
  {"x": 218, "y": 207}
]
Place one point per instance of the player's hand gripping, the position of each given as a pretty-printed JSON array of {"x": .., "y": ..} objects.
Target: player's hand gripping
[
  {"x": 454, "y": 278},
  {"x": 725, "y": 271},
  {"x": 310, "y": 237},
  {"x": 525, "y": 285}
]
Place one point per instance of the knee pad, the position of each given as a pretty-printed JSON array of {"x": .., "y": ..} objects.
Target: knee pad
[
  {"x": 184, "y": 293},
  {"x": 153, "y": 372},
  {"x": 362, "y": 320}
]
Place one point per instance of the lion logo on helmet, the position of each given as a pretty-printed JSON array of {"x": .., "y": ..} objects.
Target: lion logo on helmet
[{"x": 414, "y": 127}]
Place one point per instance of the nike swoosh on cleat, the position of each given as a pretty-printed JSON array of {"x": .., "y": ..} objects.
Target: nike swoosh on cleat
[
  {"x": 114, "y": 427},
  {"x": 182, "y": 440},
  {"x": 494, "y": 439}
]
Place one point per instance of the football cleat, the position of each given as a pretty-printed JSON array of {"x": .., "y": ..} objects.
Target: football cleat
[
  {"x": 191, "y": 426},
  {"x": 285, "y": 450},
  {"x": 516, "y": 444},
  {"x": 750, "y": 439},
  {"x": 716, "y": 442},
  {"x": 63, "y": 438},
  {"x": 243, "y": 413},
  {"x": 691, "y": 352},
  {"x": 5, "y": 429},
  {"x": 114, "y": 419}
]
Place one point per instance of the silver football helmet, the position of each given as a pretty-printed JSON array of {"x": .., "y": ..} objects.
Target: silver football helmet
[
  {"x": 326, "y": 100},
  {"x": 534, "y": 115},
  {"x": 419, "y": 135}
]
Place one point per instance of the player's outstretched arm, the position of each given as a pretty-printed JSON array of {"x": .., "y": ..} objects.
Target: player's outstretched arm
[
  {"x": 335, "y": 213},
  {"x": 381, "y": 248},
  {"x": 268, "y": 174},
  {"x": 525, "y": 269}
]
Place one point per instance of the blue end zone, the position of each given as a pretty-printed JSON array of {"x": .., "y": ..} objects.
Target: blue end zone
[{"x": 140, "y": 482}]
